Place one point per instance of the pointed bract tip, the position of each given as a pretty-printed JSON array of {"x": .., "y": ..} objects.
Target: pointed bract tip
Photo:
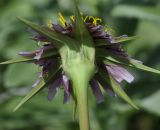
[{"x": 15, "y": 109}]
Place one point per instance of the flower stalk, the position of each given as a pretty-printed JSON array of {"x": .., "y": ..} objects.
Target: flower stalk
[
  {"x": 80, "y": 74},
  {"x": 81, "y": 88}
]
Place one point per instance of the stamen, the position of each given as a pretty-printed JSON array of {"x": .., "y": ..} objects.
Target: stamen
[
  {"x": 96, "y": 20},
  {"x": 85, "y": 18},
  {"x": 91, "y": 18},
  {"x": 62, "y": 19},
  {"x": 50, "y": 24},
  {"x": 72, "y": 18}
]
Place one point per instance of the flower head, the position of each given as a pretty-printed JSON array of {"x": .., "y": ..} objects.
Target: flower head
[
  {"x": 97, "y": 32},
  {"x": 76, "y": 55}
]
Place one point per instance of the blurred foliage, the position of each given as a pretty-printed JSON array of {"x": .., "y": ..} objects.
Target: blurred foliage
[{"x": 132, "y": 17}]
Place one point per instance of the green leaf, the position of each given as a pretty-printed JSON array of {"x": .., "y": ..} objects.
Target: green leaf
[
  {"x": 124, "y": 39},
  {"x": 57, "y": 39},
  {"x": 116, "y": 87},
  {"x": 101, "y": 42},
  {"x": 140, "y": 12},
  {"x": 82, "y": 35},
  {"x": 131, "y": 63},
  {"x": 143, "y": 67},
  {"x": 120, "y": 92},
  {"x": 31, "y": 94},
  {"x": 26, "y": 59},
  {"x": 79, "y": 24},
  {"x": 18, "y": 60},
  {"x": 37, "y": 88}
]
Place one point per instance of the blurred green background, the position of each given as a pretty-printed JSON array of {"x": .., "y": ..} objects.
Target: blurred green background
[{"x": 132, "y": 17}]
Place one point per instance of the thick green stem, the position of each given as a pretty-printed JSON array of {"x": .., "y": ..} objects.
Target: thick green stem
[
  {"x": 80, "y": 73},
  {"x": 82, "y": 102}
]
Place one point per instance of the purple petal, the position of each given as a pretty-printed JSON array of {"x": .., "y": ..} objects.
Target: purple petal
[
  {"x": 96, "y": 91},
  {"x": 39, "y": 37},
  {"x": 96, "y": 28},
  {"x": 52, "y": 89},
  {"x": 112, "y": 40},
  {"x": 99, "y": 35},
  {"x": 47, "y": 47},
  {"x": 119, "y": 73},
  {"x": 137, "y": 61},
  {"x": 58, "y": 28},
  {"x": 40, "y": 62},
  {"x": 108, "y": 90},
  {"x": 39, "y": 53},
  {"x": 106, "y": 87},
  {"x": 66, "y": 85},
  {"x": 47, "y": 66},
  {"x": 66, "y": 99},
  {"x": 41, "y": 74},
  {"x": 66, "y": 31},
  {"x": 26, "y": 54},
  {"x": 36, "y": 83},
  {"x": 123, "y": 36}
]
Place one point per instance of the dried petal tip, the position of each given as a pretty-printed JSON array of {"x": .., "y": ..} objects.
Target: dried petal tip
[
  {"x": 53, "y": 88},
  {"x": 119, "y": 73},
  {"x": 67, "y": 89},
  {"x": 26, "y": 54},
  {"x": 96, "y": 91}
]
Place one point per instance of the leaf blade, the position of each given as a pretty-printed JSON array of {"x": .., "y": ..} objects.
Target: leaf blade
[
  {"x": 131, "y": 63},
  {"x": 30, "y": 94},
  {"x": 117, "y": 40},
  {"x": 18, "y": 60},
  {"x": 27, "y": 59},
  {"x": 58, "y": 39},
  {"x": 116, "y": 87},
  {"x": 82, "y": 35},
  {"x": 124, "y": 39},
  {"x": 120, "y": 92}
]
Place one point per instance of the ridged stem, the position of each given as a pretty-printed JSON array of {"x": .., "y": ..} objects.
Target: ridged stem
[
  {"x": 81, "y": 87},
  {"x": 80, "y": 73}
]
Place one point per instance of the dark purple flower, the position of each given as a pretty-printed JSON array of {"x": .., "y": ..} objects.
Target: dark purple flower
[{"x": 97, "y": 32}]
